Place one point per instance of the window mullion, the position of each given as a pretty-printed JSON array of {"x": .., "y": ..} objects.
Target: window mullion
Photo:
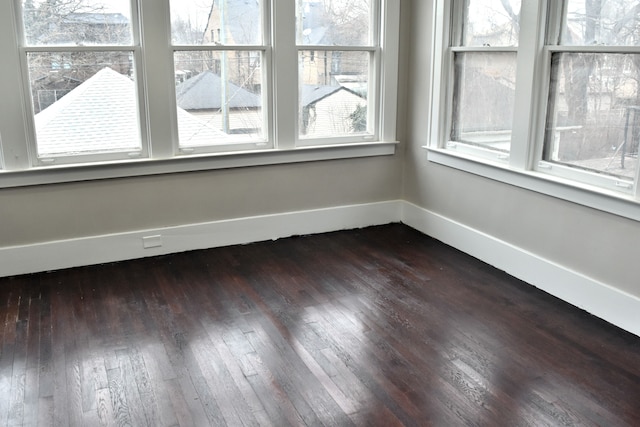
[
  {"x": 156, "y": 70},
  {"x": 13, "y": 127},
  {"x": 268, "y": 114},
  {"x": 284, "y": 99},
  {"x": 441, "y": 74},
  {"x": 386, "y": 83},
  {"x": 556, "y": 11},
  {"x": 457, "y": 11},
  {"x": 527, "y": 98}
]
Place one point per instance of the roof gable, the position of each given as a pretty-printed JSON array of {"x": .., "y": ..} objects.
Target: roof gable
[
  {"x": 204, "y": 92},
  {"x": 312, "y": 94},
  {"x": 101, "y": 115}
]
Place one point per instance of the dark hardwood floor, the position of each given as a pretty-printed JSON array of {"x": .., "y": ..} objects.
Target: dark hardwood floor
[{"x": 374, "y": 327}]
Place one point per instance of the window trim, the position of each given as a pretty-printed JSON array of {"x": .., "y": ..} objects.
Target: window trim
[
  {"x": 193, "y": 163},
  {"x": 133, "y": 48},
  {"x": 373, "y": 95},
  {"x": 524, "y": 168},
  {"x": 265, "y": 49},
  {"x": 16, "y": 168},
  {"x": 379, "y": 9},
  {"x": 241, "y": 144}
]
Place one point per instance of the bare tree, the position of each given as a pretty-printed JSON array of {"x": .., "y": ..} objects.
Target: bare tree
[
  {"x": 514, "y": 17},
  {"x": 75, "y": 23}
]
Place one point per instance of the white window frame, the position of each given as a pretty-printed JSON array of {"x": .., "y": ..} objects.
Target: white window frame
[
  {"x": 524, "y": 166},
  {"x": 134, "y": 49},
  {"x": 158, "y": 114},
  {"x": 267, "y": 110},
  {"x": 373, "y": 111},
  {"x": 457, "y": 47}
]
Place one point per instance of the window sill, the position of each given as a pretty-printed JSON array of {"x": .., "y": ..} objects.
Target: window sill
[
  {"x": 192, "y": 163},
  {"x": 616, "y": 203}
]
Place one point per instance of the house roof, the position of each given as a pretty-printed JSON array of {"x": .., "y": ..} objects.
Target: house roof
[
  {"x": 195, "y": 132},
  {"x": 101, "y": 115},
  {"x": 311, "y": 94},
  {"x": 203, "y": 92}
]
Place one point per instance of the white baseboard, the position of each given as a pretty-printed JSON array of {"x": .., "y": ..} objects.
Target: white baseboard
[
  {"x": 599, "y": 299},
  {"x": 122, "y": 246},
  {"x": 614, "y": 306}
]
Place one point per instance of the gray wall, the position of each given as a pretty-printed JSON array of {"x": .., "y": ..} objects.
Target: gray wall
[
  {"x": 67, "y": 211},
  {"x": 599, "y": 245}
]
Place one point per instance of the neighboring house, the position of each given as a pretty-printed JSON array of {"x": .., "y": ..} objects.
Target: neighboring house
[
  {"x": 203, "y": 96},
  {"x": 328, "y": 110},
  {"x": 112, "y": 125},
  {"x": 54, "y": 26},
  {"x": 326, "y": 67},
  {"x": 242, "y": 21},
  {"x": 95, "y": 28}
]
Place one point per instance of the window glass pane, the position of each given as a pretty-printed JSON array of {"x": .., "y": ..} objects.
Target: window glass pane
[
  {"x": 77, "y": 22},
  {"x": 85, "y": 102},
  {"x": 491, "y": 23},
  {"x": 483, "y": 99},
  {"x": 228, "y": 22},
  {"x": 613, "y": 23},
  {"x": 333, "y": 93},
  {"x": 219, "y": 97},
  {"x": 334, "y": 22},
  {"x": 594, "y": 119}
]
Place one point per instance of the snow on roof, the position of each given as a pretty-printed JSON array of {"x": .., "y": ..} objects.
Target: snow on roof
[
  {"x": 203, "y": 92},
  {"x": 311, "y": 94},
  {"x": 101, "y": 115},
  {"x": 195, "y": 132}
]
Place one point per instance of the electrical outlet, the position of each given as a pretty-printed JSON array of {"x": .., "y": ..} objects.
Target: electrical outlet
[{"x": 149, "y": 242}]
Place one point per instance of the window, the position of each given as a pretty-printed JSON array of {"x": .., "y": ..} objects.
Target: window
[
  {"x": 218, "y": 54},
  {"x": 80, "y": 58},
  {"x": 592, "y": 120},
  {"x": 337, "y": 52},
  {"x": 484, "y": 64},
  {"x": 134, "y": 86},
  {"x": 543, "y": 89}
]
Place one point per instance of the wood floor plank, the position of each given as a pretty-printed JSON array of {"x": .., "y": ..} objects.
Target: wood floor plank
[
  {"x": 119, "y": 401},
  {"x": 381, "y": 326}
]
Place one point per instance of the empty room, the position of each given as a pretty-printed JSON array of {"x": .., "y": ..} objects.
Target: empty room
[{"x": 319, "y": 212}]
